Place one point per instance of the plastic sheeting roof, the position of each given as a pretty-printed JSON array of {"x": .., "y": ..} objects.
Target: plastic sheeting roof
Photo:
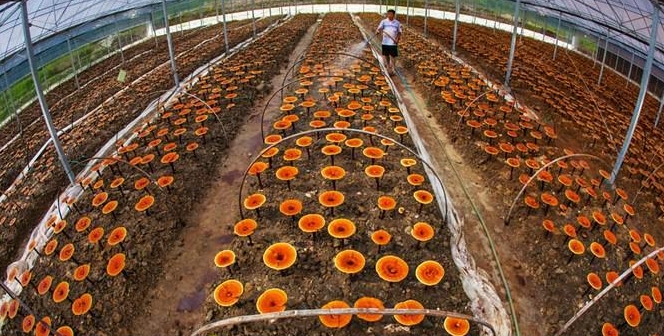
[{"x": 629, "y": 21}]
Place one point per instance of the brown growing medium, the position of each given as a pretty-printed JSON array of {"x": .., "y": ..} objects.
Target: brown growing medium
[{"x": 314, "y": 280}]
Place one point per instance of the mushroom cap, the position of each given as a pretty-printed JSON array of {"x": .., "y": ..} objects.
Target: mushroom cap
[
  {"x": 254, "y": 201},
  {"x": 429, "y": 273},
  {"x": 272, "y": 300},
  {"x": 409, "y": 320},
  {"x": 83, "y": 223},
  {"x": 228, "y": 293},
  {"x": 330, "y": 150},
  {"x": 245, "y": 227},
  {"x": 81, "y": 272},
  {"x": 381, "y": 237},
  {"x": 386, "y": 203},
  {"x": 290, "y": 207},
  {"x": 349, "y": 261},
  {"x": 95, "y": 235},
  {"x": 61, "y": 292},
  {"x": 331, "y": 198},
  {"x": 646, "y": 302},
  {"x": 65, "y": 331},
  {"x": 42, "y": 328},
  {"x": 373, "y": 152},
  {"x": 576, "y": 246},
  {"x": 341, "y": 228},
  {"x": 369, "y": 302},
  {"x": 392, "y": 268},
  {"x": 375, "y": 171},
  {"x": 224, "y": 258},
  {"x": 117, "y": 236},
  {"x": 144, "y": 203},
  {"x": 258, "y": 167},
  {"x": 28, "y": 323},
  {"x": 333, "y": 172},
  {"x": 597, "y": 250},
  {"x": 311, "y": 223},
  {"x": 66, "y": 252},
  {"x": 82, "y": 304},
  {"x": 280, "y": 256},
  {"x": 594, "y": 280},
  {"x": 44, "y": 285},
  {"x": 287, "y": 173},
  {"x": 423, "y": 196},
  {"x": 632, "y": 315},
  {"x": 335, "y": 321},
  {"x": 456, "y": 326},
  {"x": 116, "y": 264},
  {"x": 609, "y": 330},
  {"x": 422, "y": 231},
  {"x": 415, "y": 179}
]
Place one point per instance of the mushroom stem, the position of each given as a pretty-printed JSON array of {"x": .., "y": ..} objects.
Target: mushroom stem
[
  {"x": 172, "y": 167},
  {"x": 334, "y": 185},
  {"x": 288, "y": 184},
  {"x": 258, "y": 213},
  {"x": 377, "y": 183},
  {"x": 250, "y": 241},
  {"x": 260, "y": 183},
  {"x": 419, "y": 210},
  {"x": 570, "y": 259}
]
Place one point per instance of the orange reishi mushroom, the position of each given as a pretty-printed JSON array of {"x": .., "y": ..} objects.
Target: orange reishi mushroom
[{"x": 271, "y": 301}]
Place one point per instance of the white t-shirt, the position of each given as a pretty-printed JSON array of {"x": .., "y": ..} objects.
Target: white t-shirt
[{"x": 390, "y": 30}]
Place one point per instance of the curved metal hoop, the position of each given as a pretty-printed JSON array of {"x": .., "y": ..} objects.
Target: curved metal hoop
[
  {"x": 615, "y": 283},
  {"x": 288, "y": 314},
  {"x": 301, "y": 59},
  {"x": 509, "y": 213},
  {"x": 292, "y": 136},
  {"x": 281, "y": 89},
  {"x": 647, "y": 178}
]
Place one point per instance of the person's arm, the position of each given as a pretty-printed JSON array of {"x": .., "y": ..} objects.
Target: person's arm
[
  {"x": 399, "y": 32},
  {"x": 380, "y": 28}
]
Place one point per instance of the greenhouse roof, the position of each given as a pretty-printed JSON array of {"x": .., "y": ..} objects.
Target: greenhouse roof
[{"x": 628, "y": 22}]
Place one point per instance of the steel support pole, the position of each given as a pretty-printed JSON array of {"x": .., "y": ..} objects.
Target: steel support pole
[
  {"x": 171, "y": 50},
  {"x": 659, "y": 111},
  {"x": 154, "y": 33},
  {"x": 223, "y": 20},
  {"x": 10, "y": 102},
  {"x": 396, "y": 6},
  {"x": 216, "y": 10},
  {"x": 510, "y": 58},
  {"x": 523, "y": 24},
  {"x": 117, "y": 34},
  {"x": 606, "y": 46},
  {"x": 40, "y": 95},
  {"x": 629, "y": 73},
  {"x": 407, "y": 11},
  {"x": 380, "y": 7},
  {"x": 645, "y": 78},
  {"x": 73, "y": 65},
  {"x": 253, "y": 17},
  {"x": 555, "y": 47},
  {"x": 457, "y": 9},
  {"x": 426, "y": 15}
]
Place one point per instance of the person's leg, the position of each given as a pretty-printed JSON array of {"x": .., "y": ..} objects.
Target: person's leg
[{"x": 386, "y": 56}]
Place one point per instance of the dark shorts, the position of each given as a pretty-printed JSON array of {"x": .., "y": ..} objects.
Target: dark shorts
[{"x": 390, "y": 50}]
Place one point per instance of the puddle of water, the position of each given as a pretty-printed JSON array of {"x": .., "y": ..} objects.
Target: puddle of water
[
  {"x": 192, "y": 301},
  {"x": 232, "y": 176},
  {"x": 225, "y": 239}
]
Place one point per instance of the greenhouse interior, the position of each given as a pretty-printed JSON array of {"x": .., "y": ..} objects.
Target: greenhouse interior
[{"x": 253, "y": 141}]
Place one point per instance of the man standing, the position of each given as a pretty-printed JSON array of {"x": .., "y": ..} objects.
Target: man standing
[{"x": 391, "y": 29}]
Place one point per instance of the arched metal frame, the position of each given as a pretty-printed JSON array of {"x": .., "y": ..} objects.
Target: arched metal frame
[
  {"x": 288, "y": 314},
  {"x": 509, "y": 213},
  {"x": 341, "y": 130}
]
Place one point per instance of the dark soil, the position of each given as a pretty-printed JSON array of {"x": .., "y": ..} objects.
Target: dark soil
[{"x": 313, "y": 280}]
